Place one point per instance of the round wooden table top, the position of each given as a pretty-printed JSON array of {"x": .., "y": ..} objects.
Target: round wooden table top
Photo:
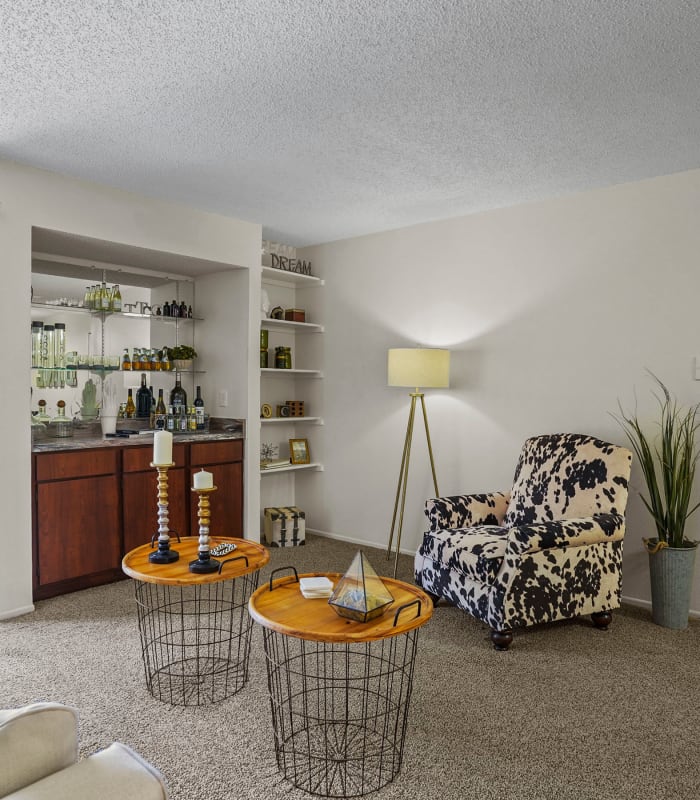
[
  {"x": 285, "y": 609},
  {"x": 136, "y": 564}
]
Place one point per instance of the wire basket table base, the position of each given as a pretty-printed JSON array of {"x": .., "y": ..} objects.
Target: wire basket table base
[
  {"x": 195, "y": 639},
  {"x": 339, "y": 710}
]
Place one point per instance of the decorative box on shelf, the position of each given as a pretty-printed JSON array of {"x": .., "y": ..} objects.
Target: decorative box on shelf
[
  {"x": 295, "y": 314},
  {"x": 284, "y": 526},
  {"x": 296, "y": 407}
]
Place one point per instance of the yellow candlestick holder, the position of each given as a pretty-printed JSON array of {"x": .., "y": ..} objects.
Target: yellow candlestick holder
[
  {"x": 163, "y": 555},
  {"x": 204, "y": 563}
]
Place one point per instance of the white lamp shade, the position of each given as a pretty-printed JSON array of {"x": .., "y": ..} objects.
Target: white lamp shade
[{"x": 421, "y": 367}]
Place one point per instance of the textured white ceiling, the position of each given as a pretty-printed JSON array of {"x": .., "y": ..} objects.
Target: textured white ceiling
[{"x": 326, "y": 119}]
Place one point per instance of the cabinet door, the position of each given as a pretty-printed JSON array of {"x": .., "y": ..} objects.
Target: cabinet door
[
  {"x": 226, "y": 503},
  {"x": 78, "y": 528},
  {"x": 141, "y": 506}
]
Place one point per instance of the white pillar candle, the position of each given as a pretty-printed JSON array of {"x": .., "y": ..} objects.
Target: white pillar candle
[
  {"x": 203, "y": 480},
  {"x": 162, "y": 447}
]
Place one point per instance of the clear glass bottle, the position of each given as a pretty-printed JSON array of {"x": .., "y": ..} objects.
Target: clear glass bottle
[
  {"x": 155, "y": 360},
  {"x": 42, "y": 416},
  {"x": 105, "y": 297},
  {"x": 60, "y": 426},
  {"x": 59, "y": 353},
  {"x": 116, "y": 299},
  {"x": 165, "y": 363},
  {"x": 48, "y": 347},
  {"x": 126, "y": 361},
  {"x": 37, "y": 343}
]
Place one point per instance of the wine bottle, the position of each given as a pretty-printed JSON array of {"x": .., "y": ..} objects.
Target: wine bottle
[
  {"x": 178, "y": 396},
  {"x": 143, "y": 399},
  {"x": 199, "y": 410},
  {"x": 130, "y": 412},
  {"x": 104, "y": 297},
  {"x": 152, "y": 409},
  {"x": 161, "y": 415}
]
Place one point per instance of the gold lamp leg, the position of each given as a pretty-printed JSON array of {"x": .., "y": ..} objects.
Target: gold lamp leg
[
  {"x": 403, "y": 474},
  {"x": 430, "y": 447}
]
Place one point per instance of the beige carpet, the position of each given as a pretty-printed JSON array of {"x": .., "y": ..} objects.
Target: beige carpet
[{"x": 569, "y": 712}]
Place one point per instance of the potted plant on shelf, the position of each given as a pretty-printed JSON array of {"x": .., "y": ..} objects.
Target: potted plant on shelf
[
  {"x": 668, "y": 460},
  {"x": 182, "y": 356}
]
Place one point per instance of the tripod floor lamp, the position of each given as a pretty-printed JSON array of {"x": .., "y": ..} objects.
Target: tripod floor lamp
[{"x": 417, "y": 367}]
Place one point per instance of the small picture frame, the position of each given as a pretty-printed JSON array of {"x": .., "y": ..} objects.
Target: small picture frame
[{"x": 299, "y": 451}]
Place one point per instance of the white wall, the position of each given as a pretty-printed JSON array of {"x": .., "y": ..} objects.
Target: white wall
[
  {"x": 31, "y": 197},
  {"x": 227, "y": 349},
  {"x": 552, "y": 311}
]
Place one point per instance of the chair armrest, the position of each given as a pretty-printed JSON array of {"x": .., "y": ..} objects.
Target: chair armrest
[
  {"x": 565, "y": 533},
  {"x": 36, "y": 741},
  {"x": 466, "y": 510}
]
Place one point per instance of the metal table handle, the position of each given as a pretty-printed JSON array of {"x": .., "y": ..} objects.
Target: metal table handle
[
  {"x": 229, "y": 560},
  {"x": 279, "y": 569},
  {"x": 405, "y": 606}
]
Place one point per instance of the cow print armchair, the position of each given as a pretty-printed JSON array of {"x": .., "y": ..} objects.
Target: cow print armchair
[{"x": 549, "y": 549}]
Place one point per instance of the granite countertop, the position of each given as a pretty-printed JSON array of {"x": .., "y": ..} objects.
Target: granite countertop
[{"x": 88, "y": 435}]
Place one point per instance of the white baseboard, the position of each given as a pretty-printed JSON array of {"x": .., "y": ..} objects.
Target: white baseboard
[
  {"x": 355, "y": 540},
  {"x": 16, "y": 612},
  {"x": 636, "y": 601},
  {"x": 341, "y": 538}
]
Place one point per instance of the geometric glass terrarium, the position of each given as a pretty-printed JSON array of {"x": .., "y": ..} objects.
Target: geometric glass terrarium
[{"x": 360, "y": 593}]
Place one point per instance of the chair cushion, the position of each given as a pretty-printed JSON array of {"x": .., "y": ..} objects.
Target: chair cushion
[
  {"x": 568, "y": 476},
  {"x": 474, "y": 552},
  {"x": 35, "y": 741},
  {"x": 115, "y": 773}
]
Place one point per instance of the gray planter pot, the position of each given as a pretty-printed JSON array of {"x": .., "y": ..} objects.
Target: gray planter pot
[{"x": 671, "y": 571}]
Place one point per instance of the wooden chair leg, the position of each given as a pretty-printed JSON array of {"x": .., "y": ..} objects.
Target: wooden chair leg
[
  {"x": 601, "y": 619},
  {"x": 501, "y": 639}
]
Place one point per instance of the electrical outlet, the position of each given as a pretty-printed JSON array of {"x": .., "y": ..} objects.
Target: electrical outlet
[
  {"x": 696, "y": 370},
  {"x": 222, "y": 398}
]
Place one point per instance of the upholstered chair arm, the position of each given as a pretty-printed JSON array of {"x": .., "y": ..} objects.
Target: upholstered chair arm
[
  {"x": 466, "y": 510},
  {"x": 35, "y": 741},
  {"x": 565, "y": 533}
]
